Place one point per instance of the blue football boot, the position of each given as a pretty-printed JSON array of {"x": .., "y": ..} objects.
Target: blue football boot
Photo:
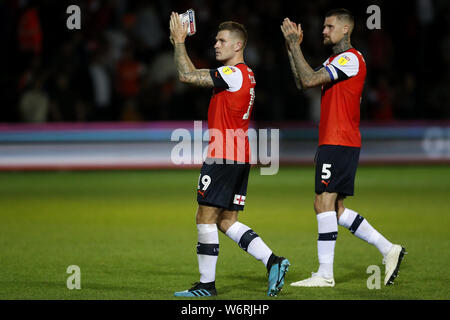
[
  {"x": 199, "y": 290},
  {"x": 277, "y": 268}
]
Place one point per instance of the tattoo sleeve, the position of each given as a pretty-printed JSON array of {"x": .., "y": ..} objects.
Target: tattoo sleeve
[
  {"x": 294, "y": 71},
  {"x": 198, "y": 77},
  {"x": 187, "y": 71},
  {"x": 308, "y": 77}
]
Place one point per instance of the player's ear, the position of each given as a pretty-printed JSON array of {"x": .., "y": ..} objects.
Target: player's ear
[
  {"x": 346, "y": 29},
  {"x": 238, "y": 46}
]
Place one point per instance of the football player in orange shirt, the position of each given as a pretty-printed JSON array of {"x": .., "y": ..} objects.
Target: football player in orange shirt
[
  {"x": 342, "y": 78},
  {"x": 222, "y": 187}
]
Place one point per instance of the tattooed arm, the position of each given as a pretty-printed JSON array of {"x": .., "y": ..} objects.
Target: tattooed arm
[
  {"x": 294, "y": 70},
  {"x": 186, "y": 70},
  {"x": 307, "y": 76},
  {"x": 292, "y": 63}
]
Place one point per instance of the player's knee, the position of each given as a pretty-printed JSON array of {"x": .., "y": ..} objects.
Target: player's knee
[
  {"x": 325, "y": 202},
  {"x": 316, "y": 205},
  {"x": 320, "y": 207},
  {"x": 223, "y": 225},
  {"x": 206, "y": 215},
  {"x": 226, "y": 220},
  {"x": 339, "y": 207}
]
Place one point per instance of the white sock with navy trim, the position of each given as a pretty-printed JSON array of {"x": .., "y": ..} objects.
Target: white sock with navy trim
[
  {"x": 361, "y": 228},
  {"x": 327, "y": 227},
  {"x": 249, "y": 241},
  {"x": 207, "y": 251}
]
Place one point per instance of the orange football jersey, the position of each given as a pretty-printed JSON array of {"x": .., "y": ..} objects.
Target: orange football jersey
[
  {"x": 341, "y": 98},
  {"x": 229, "y": 112}
]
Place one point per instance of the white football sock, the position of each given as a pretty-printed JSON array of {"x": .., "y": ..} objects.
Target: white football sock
[
  {"x": 363, "y": 230},
  {"x": 327, "y": 227},
  {"x": 207, "y": 251},
  {"x": 249, "y": 241}
]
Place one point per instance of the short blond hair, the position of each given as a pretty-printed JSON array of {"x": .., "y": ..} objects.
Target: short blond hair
[
  {"x": 236, "y": 28},
  {"x": 342, "y": 14}
]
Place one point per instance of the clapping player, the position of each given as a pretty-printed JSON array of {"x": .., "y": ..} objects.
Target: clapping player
[
  {"x": 222, "y": 186},
  {"x": 341, "y": 78}
]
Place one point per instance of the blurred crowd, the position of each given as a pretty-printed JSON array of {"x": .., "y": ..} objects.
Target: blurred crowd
[{"x": 119, "y": 66}]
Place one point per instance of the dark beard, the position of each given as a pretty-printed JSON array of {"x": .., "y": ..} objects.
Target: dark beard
[{"x": 327, "y": 43}]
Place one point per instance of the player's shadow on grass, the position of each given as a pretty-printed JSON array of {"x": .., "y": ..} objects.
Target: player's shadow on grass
[
  {"x": 358, "y": 272},
  {"x": 252, "y": 285},
  {"x": 247, "y": 282},
  {"x": 354, "y": 274}
]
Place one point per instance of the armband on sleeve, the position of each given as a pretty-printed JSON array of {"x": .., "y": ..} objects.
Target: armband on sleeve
[
  {"x": 217, "y": 79},
  {"x": 232, "y": 76},
  {"x": 344, "y": 66}
]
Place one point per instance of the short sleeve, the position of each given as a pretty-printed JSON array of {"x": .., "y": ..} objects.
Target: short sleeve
[
  {"x": 232, "y": 76},
  {"x": 343, "y": 66},
  {"x": 217, "y": 79}
]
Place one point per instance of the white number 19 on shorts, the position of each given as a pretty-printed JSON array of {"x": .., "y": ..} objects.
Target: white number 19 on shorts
[{"x": 206, "y": 180}]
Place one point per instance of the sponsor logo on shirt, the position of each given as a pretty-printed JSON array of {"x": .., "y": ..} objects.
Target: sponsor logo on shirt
[
  {"x": 228, "y": 70},
  {"x": 343, "y": 60}
]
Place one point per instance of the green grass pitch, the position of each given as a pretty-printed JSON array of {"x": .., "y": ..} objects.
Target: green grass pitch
[{"x": 133, "y": 234}]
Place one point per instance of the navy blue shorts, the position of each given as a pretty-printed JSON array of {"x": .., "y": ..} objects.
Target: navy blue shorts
[
  {"x": 223, "y": 185},
  {"x": 336, "y": 169}
]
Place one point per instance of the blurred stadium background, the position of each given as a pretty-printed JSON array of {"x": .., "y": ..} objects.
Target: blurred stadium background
[{"x": 107, "y": 97}]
